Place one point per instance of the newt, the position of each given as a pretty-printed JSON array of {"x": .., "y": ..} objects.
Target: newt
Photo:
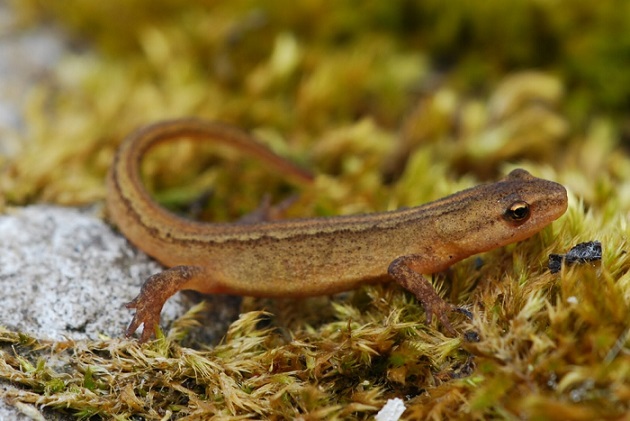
[{"x": 316, "y": 256}]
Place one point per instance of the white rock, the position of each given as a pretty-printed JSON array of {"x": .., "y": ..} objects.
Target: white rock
[
  {"x": 65, "y": 273},
  {"x": 392, "y": 410}
]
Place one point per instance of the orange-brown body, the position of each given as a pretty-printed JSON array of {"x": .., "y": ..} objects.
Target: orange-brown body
[{"x": 317, "y": 256}]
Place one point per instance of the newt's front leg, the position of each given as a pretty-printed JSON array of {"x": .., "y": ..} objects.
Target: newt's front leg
[
  {"x": 402, "y": 271},
  {"x": 159, "y": 288}
]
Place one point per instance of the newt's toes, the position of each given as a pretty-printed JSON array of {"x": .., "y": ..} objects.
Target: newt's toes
[
  {"x": 463, "y": 311},
  {"x": 443, "y": 311},
  {"x": 446, "y": 323},
  {"x": 149, "y": 323},
  {"x": 133, "y": 326},
  {"x": 146, "y": 316}
]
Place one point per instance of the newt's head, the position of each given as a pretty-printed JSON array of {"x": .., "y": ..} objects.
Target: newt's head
[
  {"x": 496, "y": 214},
  {"x": 523, "y": 205}
]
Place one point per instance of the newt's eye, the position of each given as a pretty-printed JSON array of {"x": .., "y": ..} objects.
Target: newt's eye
[{"x": 518, "y": 211}]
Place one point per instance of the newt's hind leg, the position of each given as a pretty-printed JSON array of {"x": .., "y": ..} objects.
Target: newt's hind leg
[{"x": 159, "y": 288}]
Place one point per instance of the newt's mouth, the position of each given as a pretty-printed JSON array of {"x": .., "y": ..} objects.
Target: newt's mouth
[{"x": 561, "y": 202}]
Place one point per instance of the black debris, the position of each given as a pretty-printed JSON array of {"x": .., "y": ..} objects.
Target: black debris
[{"x": 590, "y": 251}]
